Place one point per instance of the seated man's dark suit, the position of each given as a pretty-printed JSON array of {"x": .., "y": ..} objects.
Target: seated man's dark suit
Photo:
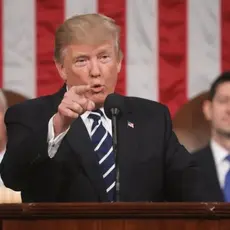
[
  {"x": 205, "y": 160},
  {"x": 153, "y": 165}
]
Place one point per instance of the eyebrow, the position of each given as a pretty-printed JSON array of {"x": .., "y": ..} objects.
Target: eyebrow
[
  {"x": 81, "y": 55},
  {"x": 77, "y": 56},
  {"x": 100, "y": 51},
  {"x": 223, "y": 96},
  {"x": 104, "y": 51}
]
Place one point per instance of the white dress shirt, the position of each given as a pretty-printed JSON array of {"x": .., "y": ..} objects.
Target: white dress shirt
[
  {"x": 1, "y": 155},
  {"x": 222, "y": 165},
  {"x": 54, "y": 142}
]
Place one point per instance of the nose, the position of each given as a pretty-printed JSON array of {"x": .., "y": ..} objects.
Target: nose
[
  {"x": 228, "y": 108},
  {"x": 94, "y": 68}
]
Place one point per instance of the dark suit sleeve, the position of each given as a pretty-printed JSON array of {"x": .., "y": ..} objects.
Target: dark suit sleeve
[
  {"x": 27, "y": 150},
  {"x": 182, "y": 175}
]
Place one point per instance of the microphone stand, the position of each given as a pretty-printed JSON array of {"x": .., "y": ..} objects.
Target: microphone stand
[{"x": 115, "y": 112}]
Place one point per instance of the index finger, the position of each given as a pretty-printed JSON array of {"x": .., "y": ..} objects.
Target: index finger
[{"x": 80, "y": 89}]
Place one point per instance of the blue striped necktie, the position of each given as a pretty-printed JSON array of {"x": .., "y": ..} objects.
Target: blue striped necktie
[
  {"x": 227, "y": 183},
  {"x": 103, "y": 147}
]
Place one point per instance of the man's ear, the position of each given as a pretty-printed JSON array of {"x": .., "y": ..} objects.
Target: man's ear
[
  {"x": 119, "y": 66},
  {"x": 119, "y": 62},
  {"x": 61, "y": 70},
  {"x": 207, "y": 109}
]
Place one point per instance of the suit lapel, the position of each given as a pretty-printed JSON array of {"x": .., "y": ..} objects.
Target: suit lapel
[{"x": 80, "y": 142}]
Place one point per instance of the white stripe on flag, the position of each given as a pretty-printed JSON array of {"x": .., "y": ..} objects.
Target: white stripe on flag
[
  {"x": 142, "y": 49},
  {"x": 73, "y": 7},
  {"x": 204, "y": 61},
  {"x": 19, "y": 46}
]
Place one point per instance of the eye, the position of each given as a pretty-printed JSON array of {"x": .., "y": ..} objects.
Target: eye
[
  {"x": 223, "y": 100},
  {"x": 104, "y": 58},
  {"x": 81, "y": 61}
]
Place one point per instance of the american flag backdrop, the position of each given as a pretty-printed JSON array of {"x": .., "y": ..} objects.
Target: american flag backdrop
[{"x": 173, "y": 49}]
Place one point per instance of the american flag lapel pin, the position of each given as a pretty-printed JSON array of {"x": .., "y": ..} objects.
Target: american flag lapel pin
[{"x": 131, "y": 124}]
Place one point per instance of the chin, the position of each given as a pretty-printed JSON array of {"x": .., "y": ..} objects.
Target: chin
[{"x": 98, "y": 100}]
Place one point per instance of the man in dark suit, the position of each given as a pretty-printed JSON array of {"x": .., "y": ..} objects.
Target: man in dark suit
[
  {"x": 214, "y": 158},
  {"x": 54, "y": 152}
]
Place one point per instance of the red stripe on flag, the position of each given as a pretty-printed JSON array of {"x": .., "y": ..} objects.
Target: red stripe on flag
[
  {"x": 225, "y": 32},
  {"x": 50, "y": 14},
  {"x": 172, "y": 53},
  {"x": 117, "y": 11},
  {"x": 1, "y": 43}
]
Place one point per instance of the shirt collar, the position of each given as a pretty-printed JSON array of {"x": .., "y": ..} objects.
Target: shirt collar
[
  {"x": 219, "y": 152},
  {"x": 86, "y": 114}
]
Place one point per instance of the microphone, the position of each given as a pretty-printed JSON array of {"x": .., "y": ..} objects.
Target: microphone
[{"x": 114, "y": 104}]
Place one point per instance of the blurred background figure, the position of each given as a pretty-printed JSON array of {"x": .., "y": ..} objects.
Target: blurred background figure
[
  {"x": 7, "y": 98},
  {"x": 214, "y": 159},
  {"x": 3, "y": 107},
  {"x": 190, "y": 124}
]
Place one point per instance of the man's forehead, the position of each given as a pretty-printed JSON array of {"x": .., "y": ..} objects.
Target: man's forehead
[
  {"x": 90, "y": 48},
  {"x": 223, "y": 87}
]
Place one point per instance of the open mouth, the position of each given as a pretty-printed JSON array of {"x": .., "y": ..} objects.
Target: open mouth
[{"x": 97, "y": 88}]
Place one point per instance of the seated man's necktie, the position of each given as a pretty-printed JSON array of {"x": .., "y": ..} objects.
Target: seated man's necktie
[
  {"x": 227, "y": 183},
  {"x": 103, "y": 147}
]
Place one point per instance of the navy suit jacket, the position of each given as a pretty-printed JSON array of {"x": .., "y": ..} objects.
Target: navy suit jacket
[{"x": 154, "y": 166}]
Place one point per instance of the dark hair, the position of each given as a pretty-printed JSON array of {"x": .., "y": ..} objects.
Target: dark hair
[{"x": 224, "y": 77}]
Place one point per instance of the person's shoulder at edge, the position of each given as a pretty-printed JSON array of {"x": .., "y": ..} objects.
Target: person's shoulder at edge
[
  {"x": 201, "y": 152},
  {"x": 31, "y": 107}
]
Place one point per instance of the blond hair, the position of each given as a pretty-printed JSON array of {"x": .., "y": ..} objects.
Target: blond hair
[{"x": 86, "y": 29}]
